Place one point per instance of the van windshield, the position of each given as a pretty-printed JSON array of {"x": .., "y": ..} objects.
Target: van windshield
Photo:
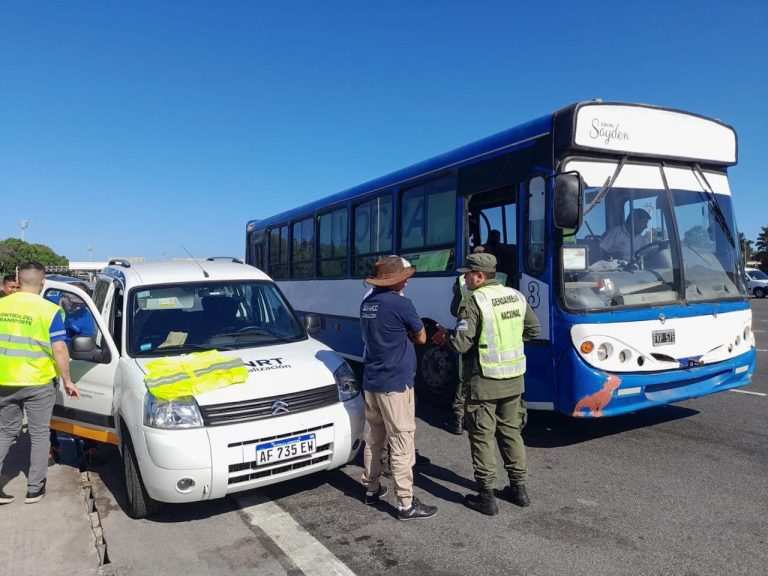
[{"x": 184, "y": 318}]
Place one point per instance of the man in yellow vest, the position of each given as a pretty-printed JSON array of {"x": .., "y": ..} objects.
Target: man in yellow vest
[
  {"x": 33, "y": 352},
  {"x": 492, "y": 324}
]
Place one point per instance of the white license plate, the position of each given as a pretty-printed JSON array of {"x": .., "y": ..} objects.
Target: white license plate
[
  {"x": 285, "y": 449},
  {"x": 663, "y": 337}
]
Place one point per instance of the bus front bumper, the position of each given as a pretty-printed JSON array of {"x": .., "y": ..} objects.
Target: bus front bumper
[{"x": 596, "y": 393}]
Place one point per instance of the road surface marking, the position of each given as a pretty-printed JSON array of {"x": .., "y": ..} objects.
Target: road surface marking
[
  {"x": 761, "y": 349},
  {"x": 749, "y": 392},
  {"x": 309, "y": 555}
]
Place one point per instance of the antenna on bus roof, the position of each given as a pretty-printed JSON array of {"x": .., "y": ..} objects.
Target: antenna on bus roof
[{"x": 195, "y": 261}]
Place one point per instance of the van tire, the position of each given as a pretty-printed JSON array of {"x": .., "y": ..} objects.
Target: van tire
[
  {"x": 759, "y": 292},
  {"x": 140, "y": 505}
]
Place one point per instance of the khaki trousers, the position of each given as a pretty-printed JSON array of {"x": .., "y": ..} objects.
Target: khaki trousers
[{"x": 391, "y": 417}]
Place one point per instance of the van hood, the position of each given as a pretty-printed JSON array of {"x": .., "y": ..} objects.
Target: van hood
[{"x": 273, "y": 370}]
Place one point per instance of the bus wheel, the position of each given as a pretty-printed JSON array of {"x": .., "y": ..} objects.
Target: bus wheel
[{"x": 437, "y": 375}]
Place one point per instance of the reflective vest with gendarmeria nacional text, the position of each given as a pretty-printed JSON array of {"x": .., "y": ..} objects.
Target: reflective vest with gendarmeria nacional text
[
  {"x": 26, "y": 353},
  {"x": 500, "y": 349}
]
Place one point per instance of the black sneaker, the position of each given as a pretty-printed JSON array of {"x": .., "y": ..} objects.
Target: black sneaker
[
  {"x": 371, "y": 499},
  {"x": 417, "y": 510},
  {"x": 33, "y": 497},
  {"x": 6, "y": 498},
  {"x": 516, "y": 494}
]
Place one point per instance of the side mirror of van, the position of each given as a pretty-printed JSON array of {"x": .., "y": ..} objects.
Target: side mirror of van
[
  {"x": 311, "y": 324},
  {"x": 568, "y": 201},
  {"x": 84, "y": 348}
]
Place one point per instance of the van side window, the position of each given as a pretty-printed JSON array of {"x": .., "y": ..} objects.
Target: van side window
[{"x": 116, "y": 318}]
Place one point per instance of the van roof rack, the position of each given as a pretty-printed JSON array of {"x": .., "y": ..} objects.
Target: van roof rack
[
  {"x": 120, "y": 262},
  {"x": 228, "y": 258}
]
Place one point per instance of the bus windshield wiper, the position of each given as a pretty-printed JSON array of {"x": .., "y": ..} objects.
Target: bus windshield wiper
[
  {"x": 714, "y": 207},
  {"x": 606, "y": 187}
]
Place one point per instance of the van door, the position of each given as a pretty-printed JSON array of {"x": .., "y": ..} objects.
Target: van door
[{"x": 90, "y": 416}]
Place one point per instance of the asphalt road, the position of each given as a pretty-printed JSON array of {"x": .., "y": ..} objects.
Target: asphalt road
[{"x": 677, "y": 490}]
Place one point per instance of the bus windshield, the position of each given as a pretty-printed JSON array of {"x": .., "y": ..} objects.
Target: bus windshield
[
  {"x": 222, "y": 315},
  {"x": 655, "y": 238}
]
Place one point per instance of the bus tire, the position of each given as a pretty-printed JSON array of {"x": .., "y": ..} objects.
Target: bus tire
[
  {"x": 759, "y": 292},
  {"x": 437, "y": 374},
  {"x": 140, "y": 505}
]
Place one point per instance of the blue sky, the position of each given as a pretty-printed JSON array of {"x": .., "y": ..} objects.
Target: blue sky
[{"x": 137, "y": 127}]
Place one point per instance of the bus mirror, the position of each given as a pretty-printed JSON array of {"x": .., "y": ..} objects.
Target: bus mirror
[{"x": 569, "y": 199}]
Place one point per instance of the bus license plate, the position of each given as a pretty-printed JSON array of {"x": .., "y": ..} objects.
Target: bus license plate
[
  {"x": 284, "y": 449},
  {"x": 663, "y": 337}
]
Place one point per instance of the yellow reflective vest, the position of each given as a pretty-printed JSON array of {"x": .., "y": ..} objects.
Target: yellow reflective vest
[
  {"x": 500, "y": 348},
  {"x": 26, "y": 354},
  {"x": 190, "y": 374}
]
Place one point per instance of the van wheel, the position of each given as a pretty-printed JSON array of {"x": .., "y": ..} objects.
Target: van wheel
[
  {"x": 437, "y": 375},
  {"x": 759, "y": 292},
  {"x": 140, "y": 505}
]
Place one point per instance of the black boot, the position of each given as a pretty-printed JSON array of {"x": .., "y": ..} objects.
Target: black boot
[
  {"x": 455, "y": 426},
  {"x": 484, "y": 502},
  {"x": 517, "y": 494}
]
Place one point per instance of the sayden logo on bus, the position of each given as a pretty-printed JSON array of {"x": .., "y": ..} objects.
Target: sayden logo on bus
[{"x": 607, "y": 131}]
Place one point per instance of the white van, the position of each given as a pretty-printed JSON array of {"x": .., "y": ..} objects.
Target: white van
[
  {"x": 300, "y": 410},
  {"x": 757, "y": 282}
]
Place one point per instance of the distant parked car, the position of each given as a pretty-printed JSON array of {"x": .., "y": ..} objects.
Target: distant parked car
[{"x": 757, "y": 281}]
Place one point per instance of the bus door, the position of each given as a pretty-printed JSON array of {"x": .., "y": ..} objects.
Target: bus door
[
  {"x": 493, "y": 225},
  {"x": 536, "y": 285}
]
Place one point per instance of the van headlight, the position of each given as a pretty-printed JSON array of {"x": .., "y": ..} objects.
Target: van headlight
[
  {"x": 346, "y": 382},
  {"x": 168, "y": 414}
]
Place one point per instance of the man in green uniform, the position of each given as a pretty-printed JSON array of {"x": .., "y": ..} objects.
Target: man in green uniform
[{"x": 492, "y": 324}]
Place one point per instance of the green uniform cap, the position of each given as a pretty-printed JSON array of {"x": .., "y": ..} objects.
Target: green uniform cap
[{"x": 480, "y": 262}]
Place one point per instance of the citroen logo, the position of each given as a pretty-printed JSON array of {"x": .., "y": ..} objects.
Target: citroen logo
[
  {"x": 279, "y": 407},
  {"x": 662, "y": 318}
]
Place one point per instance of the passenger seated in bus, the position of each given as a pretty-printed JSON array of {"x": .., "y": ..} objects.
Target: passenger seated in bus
[
  {"x": 617, "y": 242},
  {"x": 506, "y": 256}
]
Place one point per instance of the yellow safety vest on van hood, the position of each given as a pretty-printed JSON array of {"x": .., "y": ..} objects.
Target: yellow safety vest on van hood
[
  {"x": 500, "y": 351},
  {"x": 26, "y": 354},
  {"x": 190, "y": 374}
]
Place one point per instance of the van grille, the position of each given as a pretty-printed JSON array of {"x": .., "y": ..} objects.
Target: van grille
[{"x": 260, "y": 408}]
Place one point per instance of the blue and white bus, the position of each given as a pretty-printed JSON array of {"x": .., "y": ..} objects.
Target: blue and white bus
[{"x": 635, "y": 311}]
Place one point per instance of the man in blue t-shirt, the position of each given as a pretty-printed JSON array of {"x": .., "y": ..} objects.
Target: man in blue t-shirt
[{"x": 390, "y": 325}]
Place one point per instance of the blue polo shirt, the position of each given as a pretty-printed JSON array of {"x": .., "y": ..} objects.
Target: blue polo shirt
[{"x": 389, "y": 358}]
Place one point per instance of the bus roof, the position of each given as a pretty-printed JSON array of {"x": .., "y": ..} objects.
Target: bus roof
[
  {"x": 696, "y": 128},
  {"x": 489, "y": 145}
]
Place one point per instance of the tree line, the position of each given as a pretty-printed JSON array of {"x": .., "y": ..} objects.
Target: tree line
[
  {"x": 14, "y": 252},
  {"x": 757, "y": 250}
]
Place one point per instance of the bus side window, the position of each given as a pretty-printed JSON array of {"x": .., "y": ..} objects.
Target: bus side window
[
  {"x": 535, "y": 227},
  {"x": 303, "y": 249},
  {"x": 372, "y": 233},
  {"x": 278, "y": 253}
]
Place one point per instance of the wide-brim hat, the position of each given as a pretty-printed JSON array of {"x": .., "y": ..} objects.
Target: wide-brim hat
[{"x": 391, "y": 270}]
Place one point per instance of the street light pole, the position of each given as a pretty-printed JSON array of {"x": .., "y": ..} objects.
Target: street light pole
[{"x": 23, "y": 224}]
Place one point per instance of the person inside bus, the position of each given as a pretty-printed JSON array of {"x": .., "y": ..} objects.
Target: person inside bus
[{"x": 620, "y": 241}]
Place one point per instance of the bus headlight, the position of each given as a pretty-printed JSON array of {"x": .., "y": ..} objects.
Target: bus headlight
[
  {"x": 177, "y": 413},
  {"x": 604, "y": 351},
  {"x": 346, "y": 382}
]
